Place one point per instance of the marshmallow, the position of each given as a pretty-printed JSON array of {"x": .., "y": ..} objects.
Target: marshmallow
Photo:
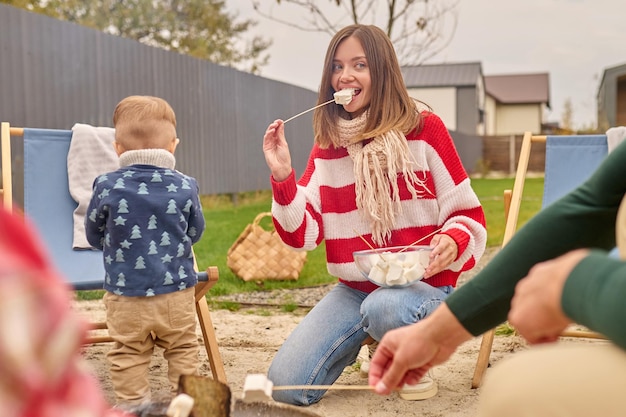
[
  {"x": 257, "y": 388},
  {"x": 180, "y": 406},
  {"x": 398, "y": 268},
  {"x": 344, "y": 96}
]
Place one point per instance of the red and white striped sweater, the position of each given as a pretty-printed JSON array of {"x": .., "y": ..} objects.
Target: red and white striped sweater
[{"x": 322, "y": 206}]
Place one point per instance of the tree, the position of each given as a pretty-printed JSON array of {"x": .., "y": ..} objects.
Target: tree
[
  {"x": 567, "y": 116},
  {"x": 419, "y": 29},
  {"x": 200, "y": 28}
]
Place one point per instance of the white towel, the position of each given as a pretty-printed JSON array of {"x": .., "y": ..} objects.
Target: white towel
[
  {"x": 615, "y": 136},
  {"x": 91, "y": 153}
]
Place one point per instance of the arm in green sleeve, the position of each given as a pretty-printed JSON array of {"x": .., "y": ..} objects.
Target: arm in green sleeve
[
  {"x": 594, "y": 293},
  {"x": 584, "y": 218}
]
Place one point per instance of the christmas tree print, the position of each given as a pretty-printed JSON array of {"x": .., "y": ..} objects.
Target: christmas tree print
[
  {"x": 181, "y": 272},
  {"x": 121, "y": 280},
  {"x": 102, "y": 178},
  {"x": 185, "y": 185},
  {"x": 119, "y": 256},
  {"x": 181, "y": 250},
  {"x": 119, "y": 184},
  {"x": 122, "y": 206},
  {"x": 156, "y": 177},
  {"x": 152, "y": 222},
  {"x": 149, "y": 292},
  {"x": 107, "y": 278},
  {"x": 143, "y": 189},
  {"x": 140, "y": 263},
  {"x": 165, "y": 239},
  {"x": 188, "y": 205},
  {"x": 192, "y": 231},
  {"x": 135, "y": 232},
  {"x": 171, "y": 207},
  {"x": 152, "y": 248},
  {"x": 169, "y": 280},
  {"x": 92, "y": 215},
  {"x": 168, "y": 172}
]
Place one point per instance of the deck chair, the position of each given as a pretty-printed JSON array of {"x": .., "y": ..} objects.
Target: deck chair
[
  {"x": 49, "y": 206},
  {"x": 570, "y": 160}
]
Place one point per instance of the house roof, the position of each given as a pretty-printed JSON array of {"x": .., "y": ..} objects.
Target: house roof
[
  {"x": 442, "y": 75},
  {"x": 519, "y": 88}
]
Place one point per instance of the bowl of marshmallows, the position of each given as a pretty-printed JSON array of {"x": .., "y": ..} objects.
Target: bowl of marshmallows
[{"x": 397, "y": 266}]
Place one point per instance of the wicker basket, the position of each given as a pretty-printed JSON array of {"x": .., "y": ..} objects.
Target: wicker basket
[{"x": 260, "y": 254}]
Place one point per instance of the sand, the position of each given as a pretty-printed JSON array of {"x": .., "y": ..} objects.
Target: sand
[{"x": 249, "y": 338}]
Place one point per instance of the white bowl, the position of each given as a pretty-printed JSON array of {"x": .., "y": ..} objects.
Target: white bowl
[{"x": 396, "y": 266}]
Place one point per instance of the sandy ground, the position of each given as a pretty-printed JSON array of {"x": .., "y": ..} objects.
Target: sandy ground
[{"x": 249, "y": 338}]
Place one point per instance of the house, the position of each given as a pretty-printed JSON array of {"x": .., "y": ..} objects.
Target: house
[
  {"x": 516, "y": 103},
  {"x": 455, "y": 92},
  {"x": 611, "y": 98}
]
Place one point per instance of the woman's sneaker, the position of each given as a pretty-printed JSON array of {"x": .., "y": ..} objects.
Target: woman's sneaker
[
  {"x": 424, "y": 389},
  {"x": 365, "y": 357}
]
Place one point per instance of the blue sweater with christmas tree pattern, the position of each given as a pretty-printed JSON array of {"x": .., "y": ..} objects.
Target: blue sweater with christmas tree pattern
[{"x": 145, "y": 217}]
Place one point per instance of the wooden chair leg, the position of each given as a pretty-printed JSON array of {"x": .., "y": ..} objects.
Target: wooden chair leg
[
  {"x": 487, "y": 341},
  {"x": 483, "y": 358},
  {"x": 206, "y": 325}
]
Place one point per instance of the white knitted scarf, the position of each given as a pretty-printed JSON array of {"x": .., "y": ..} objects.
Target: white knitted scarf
[{"x": 376, "y": 166}]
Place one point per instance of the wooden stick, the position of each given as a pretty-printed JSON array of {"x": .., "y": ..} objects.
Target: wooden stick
[
  {"x": 306, "y": 111},
  {"x": 363, "y": 239},
  {"x": 324, "y": 387},
  {"x": 420, "y": 239}
]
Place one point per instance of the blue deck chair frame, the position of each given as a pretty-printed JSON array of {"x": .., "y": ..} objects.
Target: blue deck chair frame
[
  {"x": 570, "y": 160},
  {"x": 49, "y": 206}
]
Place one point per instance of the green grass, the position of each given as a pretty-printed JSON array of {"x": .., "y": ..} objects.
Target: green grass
[
  {"x": 226, "y": 220},
  {"x": 490, "y": 192}
]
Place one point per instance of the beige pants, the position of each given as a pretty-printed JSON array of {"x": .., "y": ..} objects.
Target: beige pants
[
  {"x": 557, "y": 380},
  {"x": 137, "y": 325}
]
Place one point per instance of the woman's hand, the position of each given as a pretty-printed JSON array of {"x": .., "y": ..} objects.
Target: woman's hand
[
  {"x": 444, "y": 252},
  {"x": 276, "y": 150}
]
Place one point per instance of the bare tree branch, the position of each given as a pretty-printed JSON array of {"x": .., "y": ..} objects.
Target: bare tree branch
[{"x": 419, "y": 29}]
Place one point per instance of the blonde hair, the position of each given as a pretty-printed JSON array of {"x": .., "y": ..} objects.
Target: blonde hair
[
  {"x": 390, "y": 106},
  {"x": 144, "y": 122}
]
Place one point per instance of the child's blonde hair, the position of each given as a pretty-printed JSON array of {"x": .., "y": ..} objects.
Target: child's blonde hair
[{"x": 144, "y": 122}]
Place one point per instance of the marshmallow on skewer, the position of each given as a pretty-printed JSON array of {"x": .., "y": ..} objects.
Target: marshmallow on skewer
[
  {"x": 257, "y": 388},
  {"x": 344, "y": 97},
  {"x": 180, "y": 406}
]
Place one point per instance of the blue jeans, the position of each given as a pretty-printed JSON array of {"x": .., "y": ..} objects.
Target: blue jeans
[{"x": 329, "y": 338}]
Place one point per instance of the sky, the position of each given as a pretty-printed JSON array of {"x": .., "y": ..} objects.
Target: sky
[{"x": 573, "y": 41}]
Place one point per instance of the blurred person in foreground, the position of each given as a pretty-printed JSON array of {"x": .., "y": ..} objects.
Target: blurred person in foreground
[{"x": 42, "y": 373}]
